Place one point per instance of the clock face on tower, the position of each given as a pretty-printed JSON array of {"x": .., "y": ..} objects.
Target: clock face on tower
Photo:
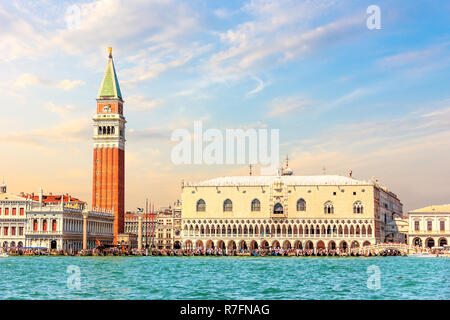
[{"x": 107, "y": 108}]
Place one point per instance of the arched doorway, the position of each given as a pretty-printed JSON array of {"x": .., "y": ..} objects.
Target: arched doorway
[
  {"x": 13, "y": 244},
  {"x": 264, "y": 244},
  {"x": 309, "y": 245},
  {"x": 242, "y": 245},
  {"x": 199, "y": 244},
  {"x": 286, "y": 244},
  {"x": 442, "y": 242},
  {"x": 221, "y": 245},
  {"x": 5, "y": 244},
  {"x": 355, "y": 244},
  {"x": 53, "y": 244},
  {"x": 275, "y": 244},
  {"x": 343, "y": 245},
  {"x": 417, "y": 242},
  {"x": 20, "y": 244},
  {"x": 298, "y": 245},
  {"x": 253, "y": 245},
  {"x": 366, "y": 243},
  {"x": 320, "y": 245},
  {"x": 188, "y": 245},
  {"x": 209, "y": 244},
  {"x": 232, "y": 245},
  {"x": 177, "y": 245},
  {"x": 331, "y": 245},
  {"x": 429, "y": 243}
]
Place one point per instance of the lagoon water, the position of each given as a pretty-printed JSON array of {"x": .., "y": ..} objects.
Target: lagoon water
[{"x": 224, "y": 278}]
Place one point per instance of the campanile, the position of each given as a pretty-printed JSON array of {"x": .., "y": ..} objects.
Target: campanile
[{"x": 108, "y": 192}]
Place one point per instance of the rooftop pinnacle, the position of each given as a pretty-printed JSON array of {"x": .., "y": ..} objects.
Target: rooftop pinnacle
[{"x": 109, "y": 89}]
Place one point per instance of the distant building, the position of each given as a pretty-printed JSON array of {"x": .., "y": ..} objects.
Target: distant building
[
  {"x": 50, "y": 221},
  {"x": 430, "y": 226},
  {"x": 148, "y": 227},
  {"x": 56, "y": 222},
  {"x": 313, "y": 212},
  {"x": 168, "y": 234},
  {"x": 12, "y": 218},
  {"x": 127, "y": 240}
]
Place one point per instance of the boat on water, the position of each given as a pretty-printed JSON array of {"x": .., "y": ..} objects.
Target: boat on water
[
  {"x": 4, "y": 255},
  {"x": 423, "y": 255}
]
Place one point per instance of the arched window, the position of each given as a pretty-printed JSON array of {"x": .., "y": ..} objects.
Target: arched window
[
  {"x": 54, "y": 225},
  {"x": 104, "y": 130},
  {"x": 301, "y": 205},
  {"x": 113, "y": 130},
  {"x": 328, "y": 207},
  {"x": 99, "y": 130},
  {"x": 201, "y": 205},
  {"x": 44, "y": 225},
  {"x": 256, "y": 205},
  {"x": 227, "y": 205},
  {"x": 278, "y": 209},
  {"x": 35, "y": 225},
  {"x": 358, "y": 207},
  {"x": 108, "y": 131}
]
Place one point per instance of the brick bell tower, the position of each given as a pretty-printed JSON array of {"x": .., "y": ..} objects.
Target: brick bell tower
[{"x": 109, "y": 149}]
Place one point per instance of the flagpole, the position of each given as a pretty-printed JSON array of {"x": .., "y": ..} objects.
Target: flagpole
[{"x": 146, "y": 212}]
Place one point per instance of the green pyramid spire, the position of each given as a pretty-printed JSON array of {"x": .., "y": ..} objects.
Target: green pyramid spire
[{"x": 109, "y": 88}]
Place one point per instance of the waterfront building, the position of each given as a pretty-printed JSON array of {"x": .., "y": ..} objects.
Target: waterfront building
[
  {"x": 57, "y": 222},
  {"x": 12, "y": 218},
  {"x": 127, "y": 240},
  {"x": 288, "y": 211},
  {"x": 177, "y": 225},
  {"x": 108, "y": 188},
  {"x": 398, "y": 229},
  {"x": 148, "y": 226},
  {"x": 168, "y": 232},
  {"x": 429, "y": 226}
]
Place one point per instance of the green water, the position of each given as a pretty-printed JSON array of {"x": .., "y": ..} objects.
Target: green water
[{"x": 223, "y": 278}]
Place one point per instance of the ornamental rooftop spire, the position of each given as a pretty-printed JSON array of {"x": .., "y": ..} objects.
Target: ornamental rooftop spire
[{"x": 110, "y": 88}]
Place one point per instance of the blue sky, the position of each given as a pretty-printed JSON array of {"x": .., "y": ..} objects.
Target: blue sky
[{"x": 344, "y": 97}]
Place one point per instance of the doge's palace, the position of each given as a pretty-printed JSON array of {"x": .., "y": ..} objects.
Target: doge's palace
[{"x": 286, "y": 211}]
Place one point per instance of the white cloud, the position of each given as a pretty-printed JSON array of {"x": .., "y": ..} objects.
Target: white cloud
[
  {"x": 280, "y": 31},
  {"x": 282, "y": 106},
  {"x": 60, "y": 110},
  {"x": 223, "y": 13},
  {"x": 261, "y": 85},
  {"x": 18, "y": 38},
  {"x": 416, "y": 57},
  {"x": 69, "y": 84},
  {"x": 25, "y": 80},
  {"x": 76, "y": 130},
  {"x": 142, "y": 103}
]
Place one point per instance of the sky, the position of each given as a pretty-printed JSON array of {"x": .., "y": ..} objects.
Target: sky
[{"x": 344, "y": 97}]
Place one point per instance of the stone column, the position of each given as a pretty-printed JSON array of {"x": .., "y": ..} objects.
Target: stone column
[
  {"x": 85, "y": 216},
  {"x": 139, "y": 231}
]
